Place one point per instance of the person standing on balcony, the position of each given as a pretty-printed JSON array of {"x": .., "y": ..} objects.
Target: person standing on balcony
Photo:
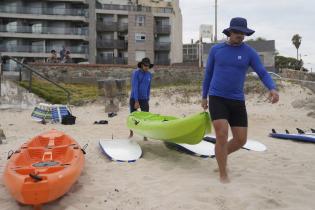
[
  {"x": 67, "y": 58},
  {"x": 140, "y": 88},
  {"x": 62, "y": 53},
  {"x": 53, "y": 57},
  {"x": 224, "y": 85}
]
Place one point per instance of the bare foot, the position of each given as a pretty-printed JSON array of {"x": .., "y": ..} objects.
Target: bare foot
[
  {"x": 130, "y": 135},
  {"x": 217, "y": 170},
  {"x": 224, "y": 179}
]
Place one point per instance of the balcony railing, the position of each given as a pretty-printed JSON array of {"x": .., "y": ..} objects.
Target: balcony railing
[
  {"x": 41, "y": 49},
  {"x": 167, "y": 10},
  {"x": 112, "y": 44},
  {"x": 44, "y": 30},
  {"x": 162, "y": 29},
  {"x": 138, "y": 8},
  {"x": 106, "y": 26},
  {"x": 122, "y": 27},
  {"x": 43, "y": 11},
  {"x": 111, "y": 60},
  {"x": 162, "y": 61},
  {"x": 111, "y": 26},
  {"x": 162, "y": 46}
]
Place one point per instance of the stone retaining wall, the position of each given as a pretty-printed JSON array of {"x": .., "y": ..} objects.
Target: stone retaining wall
[{"x": 87, "y": 73}]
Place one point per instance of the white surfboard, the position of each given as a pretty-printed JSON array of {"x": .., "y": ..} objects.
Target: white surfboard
[
  {"x": 252, "y": 145},
  {"x": 122, "y": 150},
  {"x": 203, "y": 149}
]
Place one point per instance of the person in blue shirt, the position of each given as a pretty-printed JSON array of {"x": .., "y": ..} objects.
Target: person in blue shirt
[
  {"x": 223, "y": 83},
  {"x": 140, "y": 88}
]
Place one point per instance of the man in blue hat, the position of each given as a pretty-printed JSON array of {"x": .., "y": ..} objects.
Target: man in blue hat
[
  {"x": 223, "y": 83},
  {"x": 140, "y": 88}
]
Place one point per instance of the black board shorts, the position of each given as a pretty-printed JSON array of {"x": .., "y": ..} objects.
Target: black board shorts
[
  {"x": 234, "y": 111},
  {"x": 144, "y": 105}
]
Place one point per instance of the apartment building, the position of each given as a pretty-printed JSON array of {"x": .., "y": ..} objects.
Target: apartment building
[
  {"x": 98, "y": 31},
  {"x": 129, "y": 30},
  {"x": 31, "y": 29}
]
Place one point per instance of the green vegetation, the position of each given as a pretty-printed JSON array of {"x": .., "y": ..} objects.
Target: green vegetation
[
  {"x": 296, "y": 41},
  {"x": 80, "y": 93},
  {"x": 287, "y": 62}
]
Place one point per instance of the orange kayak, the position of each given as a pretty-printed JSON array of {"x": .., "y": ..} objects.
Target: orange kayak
[{"x": 44, "y": 168}]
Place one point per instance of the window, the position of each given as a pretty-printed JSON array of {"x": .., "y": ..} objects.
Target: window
[
  {"x": 140, "y": 20},
  {"x": 140, "y": 55},
  {"x": 140, "y": 37},
  {"x": 262, "y": 59}
]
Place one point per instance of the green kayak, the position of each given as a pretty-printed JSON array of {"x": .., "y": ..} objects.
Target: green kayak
[{"x": 186, "y": 130}]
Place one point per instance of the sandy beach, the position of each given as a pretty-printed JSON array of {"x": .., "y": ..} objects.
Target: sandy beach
[{"x": 280, "y": 178}]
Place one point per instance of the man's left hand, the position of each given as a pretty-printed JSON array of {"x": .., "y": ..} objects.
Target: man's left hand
[{"x": 273, "y": 96}]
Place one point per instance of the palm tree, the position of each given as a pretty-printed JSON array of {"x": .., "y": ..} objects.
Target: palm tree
[{"x": 296, "y": 41}]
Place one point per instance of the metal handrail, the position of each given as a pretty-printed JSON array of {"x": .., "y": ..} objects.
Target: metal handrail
[{"x": 40, "y": 75}]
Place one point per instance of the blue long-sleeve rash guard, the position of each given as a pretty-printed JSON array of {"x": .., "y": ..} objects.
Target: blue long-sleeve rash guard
[
  {"x": 141, "y": 85},
  {"x": 226, "y": 69}
]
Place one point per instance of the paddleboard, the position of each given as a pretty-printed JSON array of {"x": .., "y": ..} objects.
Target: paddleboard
[
  {"x": 121, "y": 150},
  {"x": 294, "y": 137},
  {"x": 202, "y": 149},
  {"x": 252, "y": 145}
]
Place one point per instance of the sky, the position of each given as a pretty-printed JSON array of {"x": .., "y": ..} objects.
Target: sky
[{"x": 275, "y": 20}]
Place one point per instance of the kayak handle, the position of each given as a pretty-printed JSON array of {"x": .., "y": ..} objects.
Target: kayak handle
[
  {"x": 84, "y": 148},
  {"x": 36, "y": 177},
  {"x": 10, "y": 153}
]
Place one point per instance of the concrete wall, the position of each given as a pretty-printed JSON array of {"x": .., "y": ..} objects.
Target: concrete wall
[
  {"x": 300, "y": 75},
  {"x": 268, "y": 58},
  {"x": 177, "y": 34},
  {"x": 92, "y": 32}
]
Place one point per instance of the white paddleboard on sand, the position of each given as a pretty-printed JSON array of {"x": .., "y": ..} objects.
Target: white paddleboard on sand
[
  {"x": 122, "y": 150},
  {"x": 203, "y": 149},
  {"x": 250, "y": 144}
]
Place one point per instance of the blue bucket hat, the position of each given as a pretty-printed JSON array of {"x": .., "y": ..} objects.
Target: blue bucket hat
[{"x": 238, "y": 24}]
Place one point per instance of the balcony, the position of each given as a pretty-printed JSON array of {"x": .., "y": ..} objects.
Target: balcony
[
  {"x": 44, "y": 30},
  {"x": 112, "y": 44},
  {"x": 138, "y": 8},
  {"x": 43, "y": 11},
  {"x": 111, "y": 26},
  {"x": 111, "y": 60},
  {"x": 165, "y": 10},
  {"x": 41, "y": 49},
  {"x": 162, "y": 61},
  {"x": 122, "y": 27},
  {"x": 162, "y": 29},
  {"x": 162, "y": 46},
  {"x": 106, "y": 26}
]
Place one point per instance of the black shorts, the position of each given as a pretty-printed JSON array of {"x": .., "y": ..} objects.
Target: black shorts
[
  {"x": 234, "y": 111},
  {"x": 144, "y": 105}
]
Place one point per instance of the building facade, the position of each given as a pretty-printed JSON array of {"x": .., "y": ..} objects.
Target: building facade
[
  {"x": 31, "y": 29},
  {"x": 265, "y": 48},
  {"x": 129, "y": 30},
  {"x": 96, "y": 31}
]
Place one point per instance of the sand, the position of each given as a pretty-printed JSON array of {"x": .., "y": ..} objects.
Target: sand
[{"x": 280, "y": 178}]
